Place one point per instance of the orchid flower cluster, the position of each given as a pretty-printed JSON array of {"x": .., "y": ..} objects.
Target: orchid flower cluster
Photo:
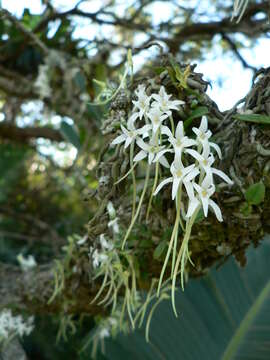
[
  {"x": 11, "y": 326},
  {"x": 151, "y": 128}
]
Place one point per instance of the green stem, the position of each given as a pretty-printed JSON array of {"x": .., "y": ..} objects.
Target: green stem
[
  {"x": 172, "y": 124},
  {"x": 129, "y": 171},
  {"x": 153, "y": 190},
  {"x": 181, "y": 257},
  {"x": 139, "y": 206},
  {"x": 177, "y": 204},
  {"x": 150, "y": 318},
  {"x": 133, "y": 179},
  {"x": 175, "y": 229}
]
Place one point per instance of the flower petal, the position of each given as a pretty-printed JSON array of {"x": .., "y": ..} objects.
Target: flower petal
[
  {"x": 142, "y": 144},
  {"x": 205, "y": 202},
  {"x": 133, "y": 118},
  {"x": 163, "y": 183},
  {"x": 119, "y": 139},
  {"x": 163, "y": 161},
  {"x": 204, "y": 124},
  {"x": 192, "y": 174},
  {"x": 150, "y": 157},
  {"x": 166, "y": 131},
  {"x": 189, "y": 188},
  {"x": 216, "y": 209},
  {"x": 195, "y": 154},
  {"x": 217, "y": 148},
  {"x": 124, "y": 130},
  {"x": 128, "y": 142},
  {"x": 222, "y": 175},
  {"x": 179, "y": 132},
  {"x": 140, "y": 156},
  {"x": 192, "y": 206},
  {"x": 176, "y": 183}
]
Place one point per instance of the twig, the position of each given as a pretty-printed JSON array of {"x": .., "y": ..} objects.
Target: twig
[{"x": 28, "y": 33}]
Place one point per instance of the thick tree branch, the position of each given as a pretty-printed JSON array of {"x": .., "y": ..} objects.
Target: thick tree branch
[
  {"x": 32, "y": 290},
  {"x": 24, "y": 135}
]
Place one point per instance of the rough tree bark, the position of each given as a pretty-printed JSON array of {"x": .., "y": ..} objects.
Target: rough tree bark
[{"x": 246, "y": 158}]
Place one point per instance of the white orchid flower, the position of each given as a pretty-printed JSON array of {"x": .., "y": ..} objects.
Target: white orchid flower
[
  {"x": 204, "y": 191},
  {"x": 150, "y": 150},
  {"x": 203, "y": 135},
  {"x": 114, "y": 225},
  {"x": 163, "y": 102},
  {"x": 97, "y": 258},
  {"x": 157, "y": 117},
  {"x": 142, "y": 104},
  {"x": 180, "y": 174},
  {"x": 106, "y": 245},
  {"x": 130, "y": 134},
  {"x": 180, "y": 141},
  {"x": 206, "y": 160},
  {"x": 104, "y": 333}
]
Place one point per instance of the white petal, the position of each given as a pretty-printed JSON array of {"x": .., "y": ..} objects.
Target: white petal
[
  {"x": 203, "y": 126},
  {"x": 188, "y": 169},
  {"x": 166, "y": 131},
  {"x": 217, "y": 148},
  {"x": 163, "y": 161},
  {"x": 196, "y": 131},
  {"x": 188, "y": 142},
  {"x": 142, "y": 144},
  {"x": 161, "y": 153},
  {"x": 192, "y": 206},
  {"x": 119, "y": 139},
  {"x": 133, "y": 117},
  {"x": 141, "y": 155},
  {"x": 193, "y": 173},
  {"x": 197, "y": 188},
  {"x": 179, "y": 132},
  {"x": 176, "y": 183},
  {"x": 195, "y": 154},
  {"x": 189, "y": 189},
  {"x": 222, "y": 175},
  {"x": 216, "y": 209},
  {"x": 144, "y": 129},
  {"x": 155, "y": 127},
  {"x": 205, "y": 205},
  {"x": 164, "y": 182},
  {"x": 157, "y": 98},
  {"x": 150, "y": 157},
  {"x": 128, "y": 142},
  {"x": 124, "y": 130},
  {"x": 178, "y": 153}
]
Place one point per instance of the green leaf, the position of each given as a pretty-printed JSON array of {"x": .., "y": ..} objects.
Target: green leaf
[
  {"x": 198, "y": 112},
  {"x": 160, "y": 249},
  {"x": 255, "y": 193},
  {"x": 70, "y": 134},
  {"x": 80, "y": 81},
  {"x": 97, "y": 111},
  {"x": 255, "y": 118},
  {"x": 224, "y": 315}
]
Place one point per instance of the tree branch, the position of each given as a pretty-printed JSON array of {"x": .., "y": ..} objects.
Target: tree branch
[
  {"x": 27, "y": 33},
  {"x": 24, "y": 135},
  {"x": 237, "y": 53}
]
